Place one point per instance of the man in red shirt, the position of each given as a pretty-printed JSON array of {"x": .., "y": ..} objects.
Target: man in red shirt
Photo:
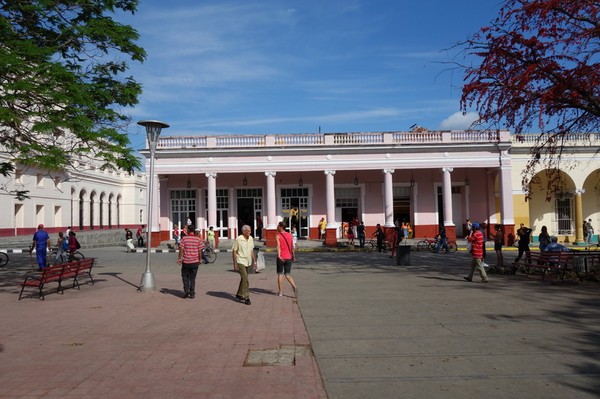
[
  {"x": 476, "y": 240},
  {"x": 190, "y": 253}
]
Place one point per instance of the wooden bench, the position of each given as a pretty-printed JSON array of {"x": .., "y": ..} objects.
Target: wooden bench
[
  {"x": 84, "y": 269},
  {"x": 47, "y": 275},
  {"x": 585, "y": 261},
  {"x": 74, "y": 270},
  {"x": 559, "y": 262}
]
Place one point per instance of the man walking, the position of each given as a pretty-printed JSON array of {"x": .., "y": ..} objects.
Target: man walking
[
  {"x": 140, "y": 235},
  {"x": 361, "y": 234},
  {"x": 41, "y": 241},
  {"x": 190, "y": 253},
  {"x": 476, "y": 240},
  {"x": 243, "y": 257},
  {"x": 524, "y": 234},
  {"x": 590, "y": 231}
]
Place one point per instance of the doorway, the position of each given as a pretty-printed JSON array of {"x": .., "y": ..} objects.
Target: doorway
[
  {"x": 245, "y": 213},
  {"x": 294, "y": 209}
]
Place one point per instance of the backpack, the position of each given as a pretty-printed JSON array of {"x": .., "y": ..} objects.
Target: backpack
[
  {"x": 77, "y": 245},
  {"x": 65, "y": 245}
]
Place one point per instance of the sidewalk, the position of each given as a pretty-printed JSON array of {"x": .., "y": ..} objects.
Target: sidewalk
[
  {"x": 362, "y": 327},
  {"x": 109, "y": 341}
]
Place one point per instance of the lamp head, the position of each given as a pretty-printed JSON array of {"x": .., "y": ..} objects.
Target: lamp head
[{"x": 153, "y": 129}]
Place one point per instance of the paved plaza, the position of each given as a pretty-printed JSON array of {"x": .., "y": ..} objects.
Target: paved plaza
[{"x": 361, "y": 327}]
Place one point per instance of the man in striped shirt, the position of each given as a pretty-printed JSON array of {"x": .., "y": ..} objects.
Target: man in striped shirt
[
  {"x": 190, "y": 253},
  {"x": 476, "y": 240}
]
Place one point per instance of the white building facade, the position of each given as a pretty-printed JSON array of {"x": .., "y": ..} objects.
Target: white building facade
[
  {"x": 427, "y": 178},
  {"x": 86, "y": 198}
]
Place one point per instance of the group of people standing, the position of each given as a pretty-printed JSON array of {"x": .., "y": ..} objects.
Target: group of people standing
[
  {"x": 66, "y": 244},
  {"x": 179, "y": 234},
  {"x": 140, "y": 235},
  {"x": 243, "y": 256}
]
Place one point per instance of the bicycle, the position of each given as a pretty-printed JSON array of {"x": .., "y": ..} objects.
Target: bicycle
[
  {"x": 209, "y": 253},
  {"x": 54, "y": 259},
  {"x": 433, "y": 247},
  {"x": 3, "y": 259},
  {"x": 424, "y": 244},
  {"x": 430, "y": 244},
  {"x": 75, "y": 256},
  {"x": 371, "y": 245}
]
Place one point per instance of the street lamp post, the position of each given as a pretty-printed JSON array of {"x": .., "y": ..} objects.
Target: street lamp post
[{"x": 153, "y": 129}]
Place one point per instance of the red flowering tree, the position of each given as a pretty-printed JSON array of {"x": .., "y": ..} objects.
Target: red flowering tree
[{"x": 539, "y": 72}]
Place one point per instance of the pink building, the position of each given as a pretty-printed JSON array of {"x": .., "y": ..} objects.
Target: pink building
[{"x": 428, "y": 178}]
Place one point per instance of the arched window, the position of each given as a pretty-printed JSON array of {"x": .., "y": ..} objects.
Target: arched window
[
  {"x": 101, "y": 209},
  {"x": 119, "y": 211},
  {"x": 92, "y": 201},
  {"x": 81, "y": 209},
  {"x": 110, "y": 211}
]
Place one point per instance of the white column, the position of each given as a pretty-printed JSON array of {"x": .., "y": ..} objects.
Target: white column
[
  {"x": 388, "y": 189},
  {"x": 579, "y": 239},
  {"x": 212, "y": 199},
  {"x": 330, "y": 198},
  {"x": 162, "y": 197},
  {"x": 232, "y": 221},
  {"x": 447, "y": 190},
  {"x": 506, "y": 200},
  {"x": 271, "y": 200}
]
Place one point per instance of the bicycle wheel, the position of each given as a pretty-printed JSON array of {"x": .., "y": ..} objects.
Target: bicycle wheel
[
  {"x": 422, "y": 245},
  {"x": 53, "y": 259},
  {"x": 3, "y": 259},
  {"x": 432, "y": 246},
  {"x": 211, "y": 255},
  {"x": 78, "y": 256},
  {"x": 452, "y": 247}
]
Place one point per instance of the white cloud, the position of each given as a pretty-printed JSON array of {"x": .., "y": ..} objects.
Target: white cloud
[{"x": 459, "y": 121}]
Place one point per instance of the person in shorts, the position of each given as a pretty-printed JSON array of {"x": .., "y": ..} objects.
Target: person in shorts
[{"x": 285, "y": 256}]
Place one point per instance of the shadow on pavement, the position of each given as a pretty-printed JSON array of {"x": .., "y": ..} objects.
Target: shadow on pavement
[
  {"x": 223, "y": 295},
  {"x": 116, "y": 275}
]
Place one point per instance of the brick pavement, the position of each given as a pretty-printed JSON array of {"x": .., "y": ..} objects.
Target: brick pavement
[
  {"x": 376, "y": 330},
  {"x": 110, "y": 341}
]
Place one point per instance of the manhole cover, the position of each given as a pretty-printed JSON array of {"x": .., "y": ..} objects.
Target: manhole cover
[{"x": 282, "y": 356}]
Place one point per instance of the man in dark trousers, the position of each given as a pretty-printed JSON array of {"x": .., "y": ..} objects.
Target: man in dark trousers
[
  {"x": 41, "y": 241},
  {"x": 140, "y": 235}
]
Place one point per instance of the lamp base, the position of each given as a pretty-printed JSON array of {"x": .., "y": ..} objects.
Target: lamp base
[{"x": 147, "y": 282}]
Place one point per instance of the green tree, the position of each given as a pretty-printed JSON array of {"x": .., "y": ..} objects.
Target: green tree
[
  {"x": 62, "y": 83},
  {"x": 539, "y": 70}
]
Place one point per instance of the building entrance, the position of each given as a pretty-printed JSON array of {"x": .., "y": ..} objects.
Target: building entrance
[
  {"x": 249, "y": 209},
  {"x": 294, "y": 209},
  {"x": 183, "y": 206}
]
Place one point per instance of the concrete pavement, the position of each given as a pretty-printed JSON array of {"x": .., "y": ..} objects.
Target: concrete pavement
[{"x": 361, "y": 327}]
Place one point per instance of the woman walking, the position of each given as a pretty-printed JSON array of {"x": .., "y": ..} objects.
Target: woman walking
[{"x": 285, "y": 256}]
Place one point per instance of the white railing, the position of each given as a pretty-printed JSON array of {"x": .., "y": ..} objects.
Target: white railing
[
  {"x": 365, "y": 139},
  {"x": 240, "y": 141},
  {"x": 298, "y": 139},
  {"x": 570, "y": 139},
  {"x": 470, "y": 136},
  {"x": 357, "y": 138},
  {"x": 417, "y": 137},
  {"x": 181, "y": 142}
]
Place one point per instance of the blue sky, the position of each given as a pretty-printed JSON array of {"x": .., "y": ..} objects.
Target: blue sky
[{"x": 268, "y": 66}]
